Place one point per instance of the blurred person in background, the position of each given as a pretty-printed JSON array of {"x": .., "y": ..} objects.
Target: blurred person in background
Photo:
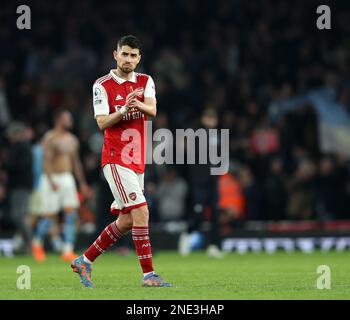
[
  {"x": 327, "y": 204},
  {"x": 3, "y": 196},
  {"x": 20, "y": 182},
  {"x": 171, "y": 196},
  {"x": 342, "y": 169},
  {"x": 36, "y": 209},
  {"x": 252, "y": 193},
  {"x": 4, "y": 203},
  {"x": 5, "y": 116},
  {"x": 57, "y": 188},
  {"x": 35, "y": 200},
  {"x": 275, "y": 194},
  {"x": 204, "y": 195},
  {"x": 301, "y": 187},
  {"x": 231, "y": 200}
]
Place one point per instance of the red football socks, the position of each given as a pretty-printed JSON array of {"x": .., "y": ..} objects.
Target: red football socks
[
  {"x": 108, "y": 237},
  {"x": 140, "y": 236},
  {"x": 111, "y": 234}
]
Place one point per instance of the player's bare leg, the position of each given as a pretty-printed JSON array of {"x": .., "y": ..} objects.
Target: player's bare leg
[
  {"x": 55, "y": 235},
  {"x": 124, "y": 223},
  {"x": 69, "y": 226},
  {"x": 109, "y": 236},
  {"x": 42, "y": 228},
  {"x": 140, "y": 236}
]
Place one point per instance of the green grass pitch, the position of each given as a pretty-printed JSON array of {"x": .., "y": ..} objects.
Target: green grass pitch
[{"x": 250, "y": 276}]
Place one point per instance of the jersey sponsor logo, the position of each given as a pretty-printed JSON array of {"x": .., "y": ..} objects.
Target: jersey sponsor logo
[
  {"x": 99, "y": 101},
  {"x": 132, "y": 196},
  {"x": 119, "y": 97},
  {"x": 145, "y": 245}
]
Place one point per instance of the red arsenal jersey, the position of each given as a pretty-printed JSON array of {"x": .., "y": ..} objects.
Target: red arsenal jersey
[{"x": 124, "y": 143}]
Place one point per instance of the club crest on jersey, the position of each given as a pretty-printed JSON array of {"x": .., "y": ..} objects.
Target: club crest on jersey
[{"x": 132, "y": 196}]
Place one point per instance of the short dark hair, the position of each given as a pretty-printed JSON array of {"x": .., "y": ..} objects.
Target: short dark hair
[{"x": 130, "y": 41}]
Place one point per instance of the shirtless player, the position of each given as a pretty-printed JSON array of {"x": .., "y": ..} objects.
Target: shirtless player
[{"x": 57, "y": 185}]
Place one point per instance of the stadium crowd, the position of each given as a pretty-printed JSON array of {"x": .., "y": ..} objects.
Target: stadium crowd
[{"x": 220, "y": 63}]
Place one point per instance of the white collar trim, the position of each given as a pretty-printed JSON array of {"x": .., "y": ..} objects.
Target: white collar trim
[{"x": 121, "y": 80}]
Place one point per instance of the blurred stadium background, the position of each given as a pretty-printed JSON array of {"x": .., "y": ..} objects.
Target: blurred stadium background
[{"x": 261, "y": 68}]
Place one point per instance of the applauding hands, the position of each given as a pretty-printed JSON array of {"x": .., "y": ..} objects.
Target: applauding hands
[{"x": 131, "y": 100}]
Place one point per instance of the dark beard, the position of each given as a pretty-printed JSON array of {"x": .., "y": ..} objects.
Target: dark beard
[{"x": 126, "y": 70}]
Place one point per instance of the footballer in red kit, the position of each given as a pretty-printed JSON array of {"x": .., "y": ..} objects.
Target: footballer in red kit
[
  {"x": 123, "y": 99},
  {"x": 109, "y": 94}
]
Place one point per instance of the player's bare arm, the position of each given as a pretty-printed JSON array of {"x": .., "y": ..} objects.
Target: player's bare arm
[
  {"x": 48, "y": 158},
  {"x": 148, "y": 107},
  {"x": 106, "y": 121},
  {"x": 78, "y": 169}
]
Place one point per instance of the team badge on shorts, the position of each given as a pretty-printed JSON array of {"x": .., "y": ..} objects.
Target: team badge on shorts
[{"x": 132, "y": 196}]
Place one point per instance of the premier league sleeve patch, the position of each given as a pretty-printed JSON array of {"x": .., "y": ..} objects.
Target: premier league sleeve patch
[
  {"x": 97, "y": 94},
  {"x": 100, "y": 100}
]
